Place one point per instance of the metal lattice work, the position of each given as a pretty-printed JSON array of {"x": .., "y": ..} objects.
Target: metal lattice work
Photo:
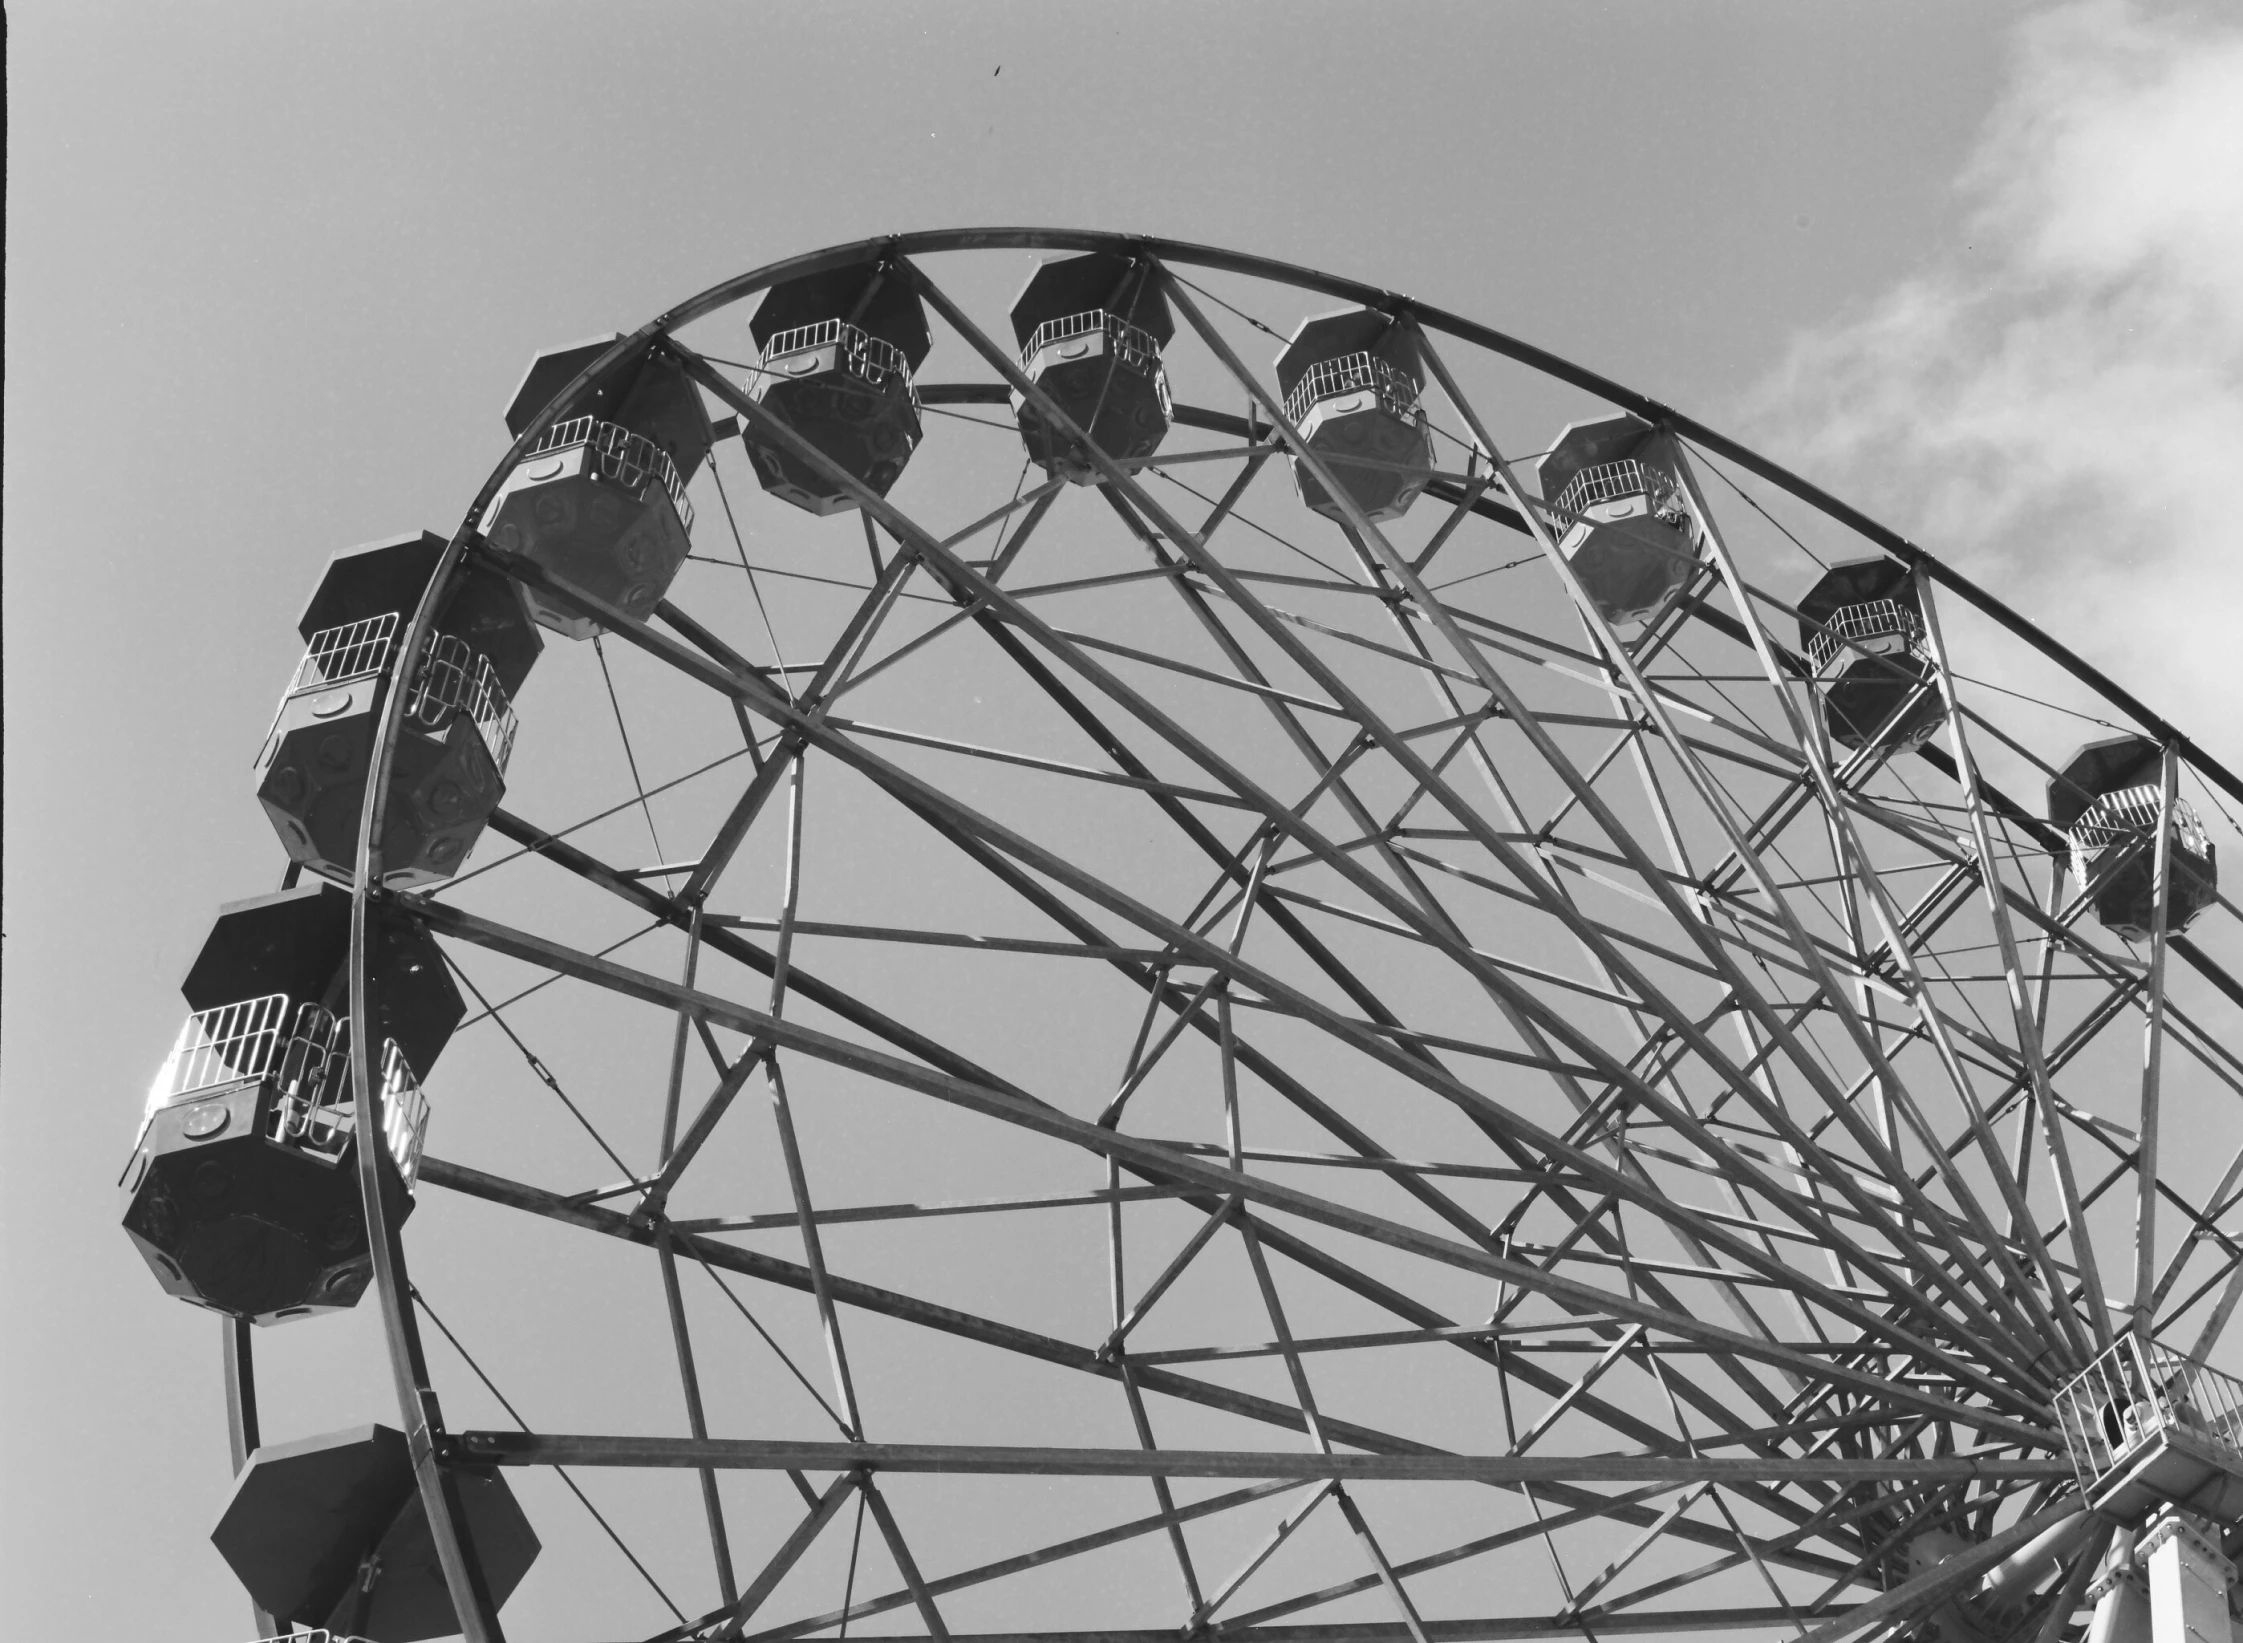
[{"x": 1125, "y": 1060}]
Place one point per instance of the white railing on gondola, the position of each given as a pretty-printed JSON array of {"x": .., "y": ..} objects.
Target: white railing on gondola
[
  {"x": 1875, "y": 627},
  {"x": 2130, "y": 811},
  {"x": 1608, "y": 481},
  {"x": 630, "y": 459},
  {"x": 1395, "y": 391},
  {"x": 2134, "y": 1393},
  {"x": 868, "y": 358},
  {"x": 454, "y": 679},
  {"x": 1132, "y": 345},
  {"x": 299, "y": 1049}
]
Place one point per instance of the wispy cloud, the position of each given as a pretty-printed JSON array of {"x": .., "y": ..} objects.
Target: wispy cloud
[{"x": 2059, "y": 410}]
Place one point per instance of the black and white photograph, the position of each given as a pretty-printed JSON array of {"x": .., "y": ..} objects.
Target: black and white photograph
[{"x": 1294, "y": 821}]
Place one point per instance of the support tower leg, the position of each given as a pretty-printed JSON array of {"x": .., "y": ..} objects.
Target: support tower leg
[{"x": 2188, "y": 1581}]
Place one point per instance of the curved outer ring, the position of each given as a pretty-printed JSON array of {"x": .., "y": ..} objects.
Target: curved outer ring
[{"x": 416, "y": 1397}]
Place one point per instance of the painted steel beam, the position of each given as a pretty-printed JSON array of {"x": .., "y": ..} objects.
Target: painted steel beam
[
  {"x": 1028, "y": 1343},
  {"x": 768, "y": 1454},
  {"x": 1593, "y": 1622},
  {"x": 1160, "y": 1160}
]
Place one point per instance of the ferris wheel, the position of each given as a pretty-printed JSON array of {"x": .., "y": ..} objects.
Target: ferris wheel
[{"x": 1168, "y": 947}]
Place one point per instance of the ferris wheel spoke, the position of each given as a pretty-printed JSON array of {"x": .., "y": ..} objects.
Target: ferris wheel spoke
[
  {"x": 1207, "y": 953},
  {"x": 720, "y": 935},
  {"x": 816, "y": 698},
  {"x": 2202, "y": 1225},
  {"x": 1163, "y": 1498},
  {"x": 1787, "y": 1277},
  {"x": 1011, "y": 1338},
  {"x": 1260, "y": 1617},
  {"x": 1377, "y": 838},
  {"x": 727, "y": 1620},
  {"x": 1278, "y": 1534},
  {"x": 1944, "y": 1578},
  {"x": 1939, "y": 1506},
  {"x": 689, "y": 1379},
  {"x": 965, "y": 1579},
  {"x": 867, "y": 670},
  {"x": 734, "y": 1078},
  {"x": 906, "y": 1566},
  {"x": 1320, "y": 1262},
  {"x": 2153, "y": 1046},
  {"x": 1890, "y": 919},
  {"x": 1020, "y": 1110},
  {"x": 1631, "y": 1017},
  {"x": 1584, "y": 1595},
  {"x": 1516, "y": 711},
  {"x": 1384, "y": 1570},
  {"x": 516, "y": 1448},
  {"x": 1268, "y": 1071},
  {"x": 2216, "y": 1320}
]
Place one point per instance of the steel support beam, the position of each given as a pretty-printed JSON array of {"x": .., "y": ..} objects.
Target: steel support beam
[{"x": 764, "y": 1454}]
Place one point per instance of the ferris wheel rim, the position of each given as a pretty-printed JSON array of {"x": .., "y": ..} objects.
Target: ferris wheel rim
[
  {"x": 391, "y": 1282},
  {"x": 739, "y": 287},
  {"x": 1345, "y": 289}
]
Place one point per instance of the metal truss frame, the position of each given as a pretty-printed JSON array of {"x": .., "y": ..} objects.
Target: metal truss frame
[{"x": 1763, "y": 1228}]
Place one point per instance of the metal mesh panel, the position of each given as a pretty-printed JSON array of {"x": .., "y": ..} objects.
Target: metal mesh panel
[{"x": 1352, "y": 374}]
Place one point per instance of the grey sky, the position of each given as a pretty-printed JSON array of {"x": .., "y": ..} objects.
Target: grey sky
[{"x": 273, "y": 271}]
